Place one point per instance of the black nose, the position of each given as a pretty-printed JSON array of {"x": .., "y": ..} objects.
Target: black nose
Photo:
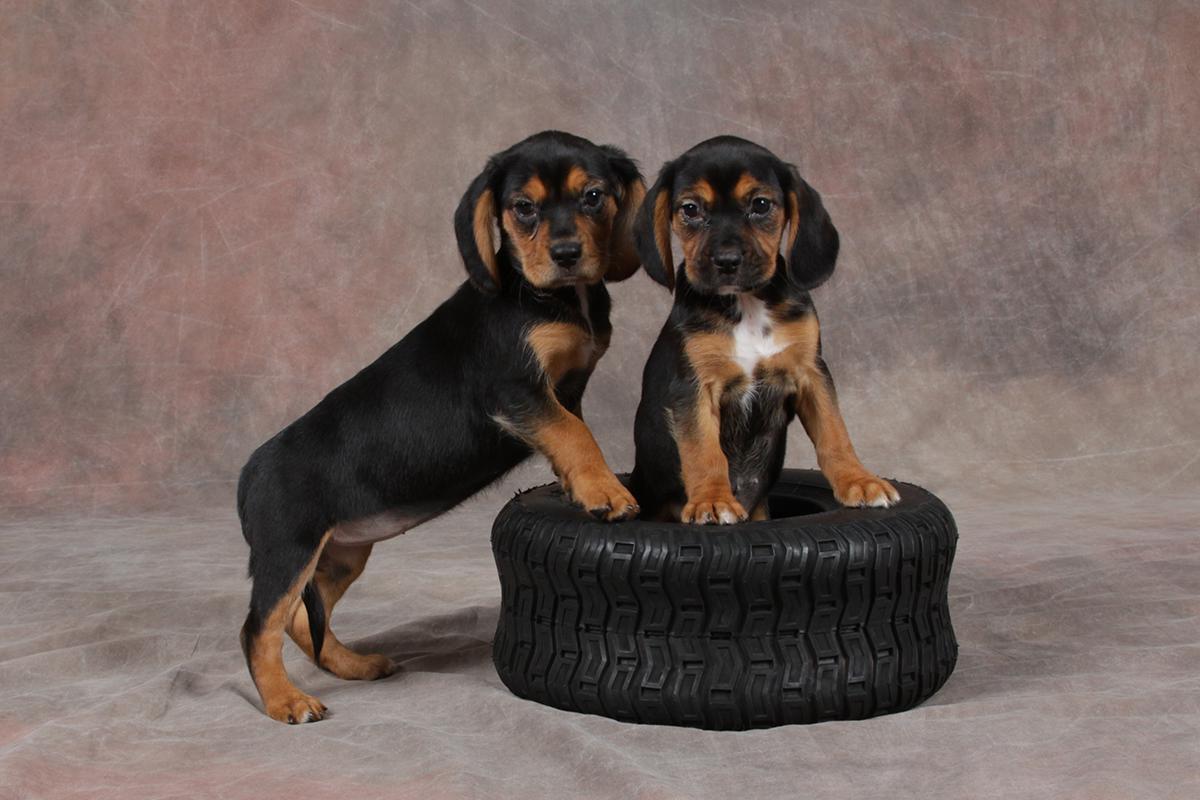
[
  {"x": 727, "y": 259},
  {"x": 565, "y": 254}
]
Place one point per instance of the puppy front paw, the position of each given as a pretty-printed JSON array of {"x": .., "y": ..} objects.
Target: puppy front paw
[
  {"x": 865, "y": 489},
  {"x": 713, "y": 508},
  {"x": 602, "y": 496}
]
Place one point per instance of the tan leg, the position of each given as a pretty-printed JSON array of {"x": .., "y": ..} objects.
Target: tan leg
[
  {"x": 580, "y": 466},
  {"x": 761, "y": 512},
  {"x": 704, "y": 468},
  {"x": 264, "y": 654},
  {"x": 853, "y": 484},
  {"x": 338, "y": 567},
  {"x": 560, "y": 433}
]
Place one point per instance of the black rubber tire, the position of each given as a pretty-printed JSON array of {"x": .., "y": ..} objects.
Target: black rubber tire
[{"x": 821, "y": 613}]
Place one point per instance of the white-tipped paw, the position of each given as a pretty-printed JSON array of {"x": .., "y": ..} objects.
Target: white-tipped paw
[
  {"x": 720, "y": 510},
  {"x": 295, "y": 708},
  {"x": 604, "y": 497},
  {"x": 866, "y": 490}
]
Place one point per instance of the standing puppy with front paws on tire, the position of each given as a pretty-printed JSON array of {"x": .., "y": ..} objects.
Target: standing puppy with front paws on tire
[
  {"x": 740, "y": 354},
  {"x": 494, "y": 373}
]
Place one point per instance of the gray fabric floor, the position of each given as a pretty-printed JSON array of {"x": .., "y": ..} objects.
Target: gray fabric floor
[
  {"x": 121, "y": 677},
  {"x": 212, "y": 213}
]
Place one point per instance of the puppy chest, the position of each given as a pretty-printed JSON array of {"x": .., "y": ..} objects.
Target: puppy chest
[
  {"x": 754, "y": 340},
  {"x": 757, "y": 338},
  {"x": 561, "y": 348},
  {"x": 767, "y": 350}
]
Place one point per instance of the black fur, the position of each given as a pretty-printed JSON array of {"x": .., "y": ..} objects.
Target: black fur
[
  {"x": 815, "y": 250},
  {"x": 652, "y": 261},
  {"x": 754, "y": 433},
  {"x": 415, "y": 430},
  {"x": 464, "y": 228},
  {"x": 316, "y": 618}
]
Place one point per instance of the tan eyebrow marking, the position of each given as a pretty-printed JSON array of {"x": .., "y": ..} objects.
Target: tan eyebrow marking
[
  {"x": 748, "y": 187},
  {"x": 534, "y": 189},
  {"x": 577, "y": 180},
  {"x": 701, "y": 189}
]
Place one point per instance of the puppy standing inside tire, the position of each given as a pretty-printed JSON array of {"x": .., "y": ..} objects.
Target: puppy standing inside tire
[
  {"x": 740, "y": 355},
  {"x": 495, "y": 372}
]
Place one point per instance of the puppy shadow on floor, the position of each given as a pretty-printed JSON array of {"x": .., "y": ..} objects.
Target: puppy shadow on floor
[
  {"x": 454, "y": 642},
  {"x": 458, "y": 642}
]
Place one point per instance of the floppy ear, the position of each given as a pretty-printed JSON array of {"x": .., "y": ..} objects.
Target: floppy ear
[
  {"x": 652, "y": 230},
  {"x": 623, "y": 259},
  {"x": 473, "y": 221},
  {"x": 812, "y": 240}
]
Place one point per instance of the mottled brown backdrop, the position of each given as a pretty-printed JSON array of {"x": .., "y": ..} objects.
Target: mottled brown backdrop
[{"x": 213, "y": 212}]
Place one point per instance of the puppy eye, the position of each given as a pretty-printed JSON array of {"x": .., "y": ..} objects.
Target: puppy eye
[
  {"x": 760, "y": 205},
  {"x": 592, "y": 198},
  {"x": 525, "y": 209},
  {"x": 690, "y": 210}
]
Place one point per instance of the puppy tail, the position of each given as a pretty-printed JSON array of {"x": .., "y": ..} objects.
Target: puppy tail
[{"x": 316, "y": 618}]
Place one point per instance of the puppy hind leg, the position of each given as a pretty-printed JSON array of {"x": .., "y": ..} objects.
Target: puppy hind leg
[
  {"x": 275, "y": 596},
  {"x": 338, "y": 567}
]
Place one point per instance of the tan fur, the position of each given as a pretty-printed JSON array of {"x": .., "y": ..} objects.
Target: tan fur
[
  {"x": 797, "y": 362},
  {"x": 532, "y": 250},
  {"x": 560, "y": 347},
  {"x": 747, "y": 187},
  {"x": 264, "y": 652},
  {"x": 560, "y": 434},
  {"x": 595, "y": 237},
  {"x": 711, "y": 357},
  {"x": 662, "y": 235},
  {"x": 580, "y": 466},
  {"x": 793, "y": 219},
  {"x": 703, "y": 466},
  {"x": 623, "y": 259},
  {"x": 853, "y": 484},
  {"x": 337, "y": 568},
  {"x": 766, "y": 237},
  {"x": 691, "y": 239},
  {"x": 606, "y": 238},
  {"x": 703, "y": 190},
  {"x": 535, "y": 190},
  {"x": 577, "y": 180},
  {"x": 485, "y": 241}
]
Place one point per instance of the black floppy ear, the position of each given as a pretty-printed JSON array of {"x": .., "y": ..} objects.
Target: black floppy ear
[
  {"x": 652, "y": 230},
  {"x": 623, "y": 259},
  {"x": 812, "y": 240},
  {"x": 473, "y": 227}
]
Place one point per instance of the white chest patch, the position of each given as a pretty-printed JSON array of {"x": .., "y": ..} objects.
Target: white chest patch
[{"x": 754, "y": 337}]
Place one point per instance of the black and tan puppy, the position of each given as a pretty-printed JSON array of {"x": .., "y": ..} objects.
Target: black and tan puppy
[
  {"x": 740, "y": 355},
  {"x": 497, "y": 371}
]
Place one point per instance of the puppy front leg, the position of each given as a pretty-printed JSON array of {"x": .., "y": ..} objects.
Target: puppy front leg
[
  {"x": 853, "y": 484},
  {"x": 702, "y": 463},
  {"x": 577, "y": 461}
]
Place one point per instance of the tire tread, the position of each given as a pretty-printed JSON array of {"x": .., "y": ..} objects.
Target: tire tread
[{"x": 670, "y": 624}]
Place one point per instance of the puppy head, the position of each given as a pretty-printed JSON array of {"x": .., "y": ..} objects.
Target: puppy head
[
  {"x": 728, "y": 202},
  {"x": 564, "y": 210}
]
